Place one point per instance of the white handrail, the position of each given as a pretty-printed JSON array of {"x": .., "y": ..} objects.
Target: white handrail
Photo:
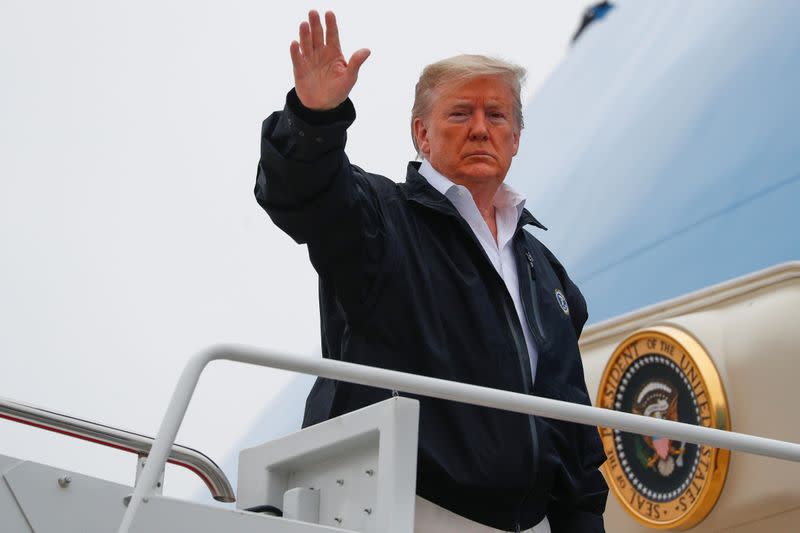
[
  {"x": 193, "y": 460},
  {"x": 436, "y": 388}
]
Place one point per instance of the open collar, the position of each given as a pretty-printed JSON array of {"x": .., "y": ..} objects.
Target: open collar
[{"x": 421, "y": 191}]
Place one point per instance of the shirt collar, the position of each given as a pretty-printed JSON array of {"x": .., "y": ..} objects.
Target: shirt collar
[
  {"x": 421, "y": 192},
  {"x": 505, "y": 197},
  {"x": 432, "y": 176}
]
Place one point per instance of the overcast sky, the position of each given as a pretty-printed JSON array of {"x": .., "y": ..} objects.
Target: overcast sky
[{"x": 129, "y": 234}]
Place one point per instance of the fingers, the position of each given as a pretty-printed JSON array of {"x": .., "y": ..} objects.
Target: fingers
[
  {"x": 311, "y": 35},
  {"x": 305, "y": 39},
  {"x": 314, "y": 39},
  {"x": 332, "y": 31},
  {"x": 297, "y": 59},
  {"x": 317, "y": 40}
]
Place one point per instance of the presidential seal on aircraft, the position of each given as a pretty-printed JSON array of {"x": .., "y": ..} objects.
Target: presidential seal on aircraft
[{"x": 665, "y": 373}]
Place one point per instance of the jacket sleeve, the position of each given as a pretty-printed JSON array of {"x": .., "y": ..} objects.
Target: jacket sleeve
[
  {"x": 307, "y": 185},
  {"x": 579, "y": 494}
]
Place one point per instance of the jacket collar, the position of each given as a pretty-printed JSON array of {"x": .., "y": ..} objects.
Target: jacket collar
[{"x": 422, "y": 192}]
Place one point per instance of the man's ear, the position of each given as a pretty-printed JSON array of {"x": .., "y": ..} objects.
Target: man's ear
[
  {"x": 421, "y": 134},
  {"x": 516, "y": 141}
]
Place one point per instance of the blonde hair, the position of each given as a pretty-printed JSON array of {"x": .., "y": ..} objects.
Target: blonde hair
[{"x": 460, "y": 68}]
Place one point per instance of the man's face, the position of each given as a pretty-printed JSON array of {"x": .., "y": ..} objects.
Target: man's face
[{"x": 470, "y": 134}]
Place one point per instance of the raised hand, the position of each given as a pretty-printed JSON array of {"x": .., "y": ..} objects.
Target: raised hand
[{"x": 322, "y": 78}]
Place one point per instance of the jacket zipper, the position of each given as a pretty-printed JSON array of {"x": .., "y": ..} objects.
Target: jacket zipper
[
  {"x": 517, "y": 525},
  {"x": 527, "y": 387},
  {"x": 538, "y": 334},
  {"x": 536, "y": 328},
  {"x": 521, "y": 350},
  {"x": 527, "y": 378}
]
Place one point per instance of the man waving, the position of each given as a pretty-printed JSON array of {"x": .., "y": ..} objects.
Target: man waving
[{"x": 439, "y": 276}]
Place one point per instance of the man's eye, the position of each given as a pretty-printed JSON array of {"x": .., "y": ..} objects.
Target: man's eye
[
  {"x": 497, "y": 115},
  {"x": 458, "y": 114}
]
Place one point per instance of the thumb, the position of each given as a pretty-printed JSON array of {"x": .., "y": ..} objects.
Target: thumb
[{"x": 357, "y": 59}]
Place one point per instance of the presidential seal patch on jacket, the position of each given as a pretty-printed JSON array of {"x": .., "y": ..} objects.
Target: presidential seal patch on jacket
[
  {"x": 664, "y": 373},
  {"x": 562, "y": 301}
]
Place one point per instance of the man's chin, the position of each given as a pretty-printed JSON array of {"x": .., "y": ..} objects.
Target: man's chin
[{"x": 482, "y": 172}]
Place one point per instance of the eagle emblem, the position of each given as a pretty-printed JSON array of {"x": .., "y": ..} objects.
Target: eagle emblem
[
  {"x": 664, "y": 483},
  {"x": 659, "y": 400},
  {"x": 562, "y": 301}
]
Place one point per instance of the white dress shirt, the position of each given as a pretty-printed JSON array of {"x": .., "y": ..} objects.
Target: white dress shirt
[{"x": 508, "y": 205}]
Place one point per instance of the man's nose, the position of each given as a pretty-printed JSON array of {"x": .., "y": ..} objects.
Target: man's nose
[{"x": 479, "y": 127}]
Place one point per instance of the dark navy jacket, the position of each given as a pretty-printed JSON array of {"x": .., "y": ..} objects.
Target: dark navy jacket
[{"x": 405, "y": 285}]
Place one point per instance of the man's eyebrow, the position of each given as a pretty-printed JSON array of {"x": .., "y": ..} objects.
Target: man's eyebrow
[{"x": 468, "y": 102}]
